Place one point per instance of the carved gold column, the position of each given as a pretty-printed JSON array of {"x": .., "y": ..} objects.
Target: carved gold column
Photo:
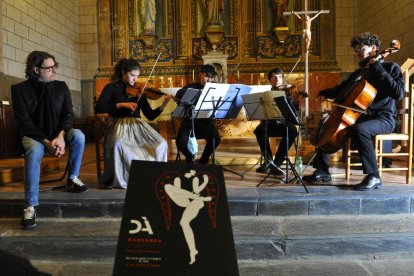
[
  {"x": 119, "y": 28},
  {"x": 183, "y": 30},
  {"x": 104, "y": 19},
  {"x": 247, "y": 27}
]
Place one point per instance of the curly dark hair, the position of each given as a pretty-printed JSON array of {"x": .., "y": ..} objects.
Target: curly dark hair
[
  {"x": 35, "y": 59},
  {"x": 276, "y": 71},
  {"x": 366, "y": 38},
  {"x": 125, "y": 65}
]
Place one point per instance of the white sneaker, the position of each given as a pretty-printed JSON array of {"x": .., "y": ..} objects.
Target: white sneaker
[
  {"x": 75, "y": 185},
  {"x": 29, "y": 217}
]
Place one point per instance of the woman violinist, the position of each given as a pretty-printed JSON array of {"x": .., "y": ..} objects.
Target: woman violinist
[
  {"x": 128, "y": 137},
  {"x": 387, "y": 79}
]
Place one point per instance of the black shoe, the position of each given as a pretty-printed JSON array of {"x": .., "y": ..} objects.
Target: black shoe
[
  {"x": 276, "y": 171},
  {"x": 318, "y": 176},
  {"x": 263, "y": 168},
  {"x": 76, "y": 185},
  {"x": 370, "y": 182},
  {"x": 29, "y": 218}
]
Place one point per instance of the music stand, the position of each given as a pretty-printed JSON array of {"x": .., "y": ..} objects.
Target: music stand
[
  {"x": 188, "y": 101},
  {"x": 291, "y": 119},
  {"x": 261, "y": 106},
  {"x": 220, "y": 101}
]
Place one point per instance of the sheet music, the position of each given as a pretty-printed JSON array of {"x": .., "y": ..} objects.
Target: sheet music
[
  {"x": 259, "y": 88},
  {"x": 261, "y": 106},
  {"x": 170, "y": 90}
]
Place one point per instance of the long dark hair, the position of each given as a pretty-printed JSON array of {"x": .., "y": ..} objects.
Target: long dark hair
[
  {"x": 35, "y": 59},
  {"x": 124, "y": 66}
]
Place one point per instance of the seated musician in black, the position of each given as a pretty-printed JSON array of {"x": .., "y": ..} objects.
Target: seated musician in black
[
  {"x": 387, "y": 78},
  {"x": 275, "y": 128},
  {"x": 203, "y": 128}
]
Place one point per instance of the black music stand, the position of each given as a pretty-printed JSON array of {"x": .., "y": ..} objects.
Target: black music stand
[
  {"x": 187, "y": 104},
  {"x": 292, "y": 119},
  {"x": 261, "y": 106},
  {"x": 214, "y": 104}
]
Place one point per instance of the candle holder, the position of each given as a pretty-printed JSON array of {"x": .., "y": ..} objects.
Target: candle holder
[
  {"x": 261, "y": 79},
  {"x": 161, "y": 79},
  {"x": 170, "y": 82}
]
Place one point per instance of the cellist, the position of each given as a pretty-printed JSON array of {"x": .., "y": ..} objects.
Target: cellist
[{"x": 387, "y": 79}]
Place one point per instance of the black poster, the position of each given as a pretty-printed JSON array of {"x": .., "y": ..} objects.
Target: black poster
[{"x": 175, "y": 222}]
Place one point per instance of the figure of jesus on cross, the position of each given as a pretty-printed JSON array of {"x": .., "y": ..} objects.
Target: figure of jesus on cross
[
  {"x": 307, "y": 36},
  {"x": 306, "y": 23}
]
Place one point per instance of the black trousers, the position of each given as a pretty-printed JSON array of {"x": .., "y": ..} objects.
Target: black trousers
[
  {"x": 362, "y": 134},
  {"x": 275, "y": 129},
  {"x": 204, "y": 129}
]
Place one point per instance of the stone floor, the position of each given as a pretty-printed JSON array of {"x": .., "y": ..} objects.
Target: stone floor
[{"x": 279, "y": 229}]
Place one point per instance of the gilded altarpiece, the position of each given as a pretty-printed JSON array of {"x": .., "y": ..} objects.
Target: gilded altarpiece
[{"x": 248, "y": 31}]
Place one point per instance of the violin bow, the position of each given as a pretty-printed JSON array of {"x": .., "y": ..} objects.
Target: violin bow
[
  {"x": 346, "y": 107},
  {"x": 149, "y": 76},
  {"x": 294, "y": 66}
]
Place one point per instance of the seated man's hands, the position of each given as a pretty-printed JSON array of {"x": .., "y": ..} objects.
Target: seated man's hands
[{"x": 56, "y": 147}]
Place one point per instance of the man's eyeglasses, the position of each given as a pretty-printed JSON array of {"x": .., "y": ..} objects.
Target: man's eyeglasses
[
  {"x": 360, "y": 49},
  {"x": 49, "y": 68}
]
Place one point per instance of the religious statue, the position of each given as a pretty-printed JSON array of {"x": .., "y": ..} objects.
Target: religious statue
[
  {"x": 214, "y": 10},
  {"x": 149, "y": 13},
  {"x": 281, "y": 7},
  {"x": 306, "y": 23}
]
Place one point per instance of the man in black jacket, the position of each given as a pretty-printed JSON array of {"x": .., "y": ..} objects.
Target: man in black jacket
[
  {"x": 387, "y": 79},
  {"x": 43, "y": 110},
  {"x": 276, "y": 128},
  {"x": 203, "y": 128}
]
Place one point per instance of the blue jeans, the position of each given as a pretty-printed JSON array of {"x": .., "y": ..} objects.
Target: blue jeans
[{"x": 33, "y": 153}]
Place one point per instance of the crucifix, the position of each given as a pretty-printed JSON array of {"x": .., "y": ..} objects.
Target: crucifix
[{"x": 306, "y": 22}]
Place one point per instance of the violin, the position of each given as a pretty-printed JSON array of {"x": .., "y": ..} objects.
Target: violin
[
  {"x": 294, "y": 91},
  {"x": 134, "y": 91}
]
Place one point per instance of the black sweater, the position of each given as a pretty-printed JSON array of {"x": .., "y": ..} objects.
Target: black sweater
[{"x": 115, "y": 92}]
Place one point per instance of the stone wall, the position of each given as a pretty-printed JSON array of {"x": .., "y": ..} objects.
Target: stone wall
[
  {"x": 65, "y": 28},
  {"x": 388, "y": 19},
  {"x": 88, "y": 39}
]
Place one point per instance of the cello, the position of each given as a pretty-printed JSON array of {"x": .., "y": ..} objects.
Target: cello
[{"x": 353, "y": 101}]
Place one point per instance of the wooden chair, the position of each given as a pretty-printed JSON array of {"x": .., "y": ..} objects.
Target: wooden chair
[
  {"x": 100, "y": 123},
  {"x": 405, "y": 137}
]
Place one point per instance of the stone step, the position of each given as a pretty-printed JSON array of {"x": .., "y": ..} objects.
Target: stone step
[
  {"x": 261, "y": 242},
  {"x": 273, "y": 201},
  {"x": 380, "y": 267}
]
